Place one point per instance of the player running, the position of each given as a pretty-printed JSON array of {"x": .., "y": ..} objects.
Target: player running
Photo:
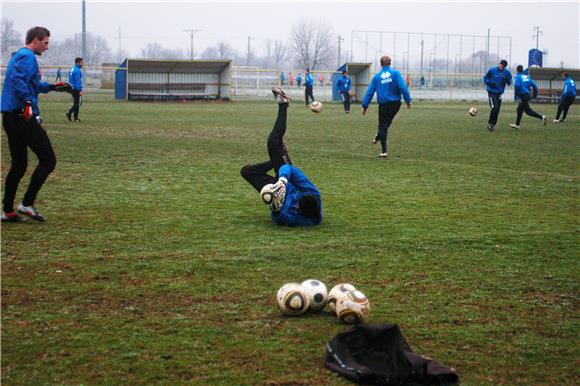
[{"x": 522, "y": 85}]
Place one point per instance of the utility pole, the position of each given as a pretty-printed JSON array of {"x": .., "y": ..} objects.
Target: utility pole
[
  {"x": 340, "y": 39},
  {"x": 192, "y": 33},
  {"x": 248, "y": 57},
  {"x": 84, "y": 37},
  {"x": 422, "y": 46},
  {"x": 487, "y": 50},
  {"x": 536, "y": 35},
  {"x": 119, "y": 51}
]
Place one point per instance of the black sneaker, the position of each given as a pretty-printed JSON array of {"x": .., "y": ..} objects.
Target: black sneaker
[
  {"x": 69, "y": 116},
  {"x": 11, "y": 217},
  {"x": 31, "y": 212}
]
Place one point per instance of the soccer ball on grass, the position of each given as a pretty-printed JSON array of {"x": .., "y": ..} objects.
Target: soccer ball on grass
[
  {"x": 353, "y": 308},
  {"x": 472, "y": 111},
  {"x": 292, "y": 299},
  {"x": 316, "y": 107},
  {"x": 317, "y": 292}
]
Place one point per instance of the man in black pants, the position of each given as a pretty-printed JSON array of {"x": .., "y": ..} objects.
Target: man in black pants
[
  {"x": 567, "y": 98},
  {"x": 522, "y": 85},
  {"x": 309, "y": 83},
  {"x": 495, "y": 81},
  {"x": 75, "y": 78},
  {"x": 296, "y": 200},
  {"x": 21, "y": 121}
]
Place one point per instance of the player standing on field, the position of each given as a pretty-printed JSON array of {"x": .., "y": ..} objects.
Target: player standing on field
[
  {"x": 389, "y": 86},
  {"x": 343, "y": 84},
  {"x": 309, "y": 83},
  {"x": 566, "y": 99},
  {"x": 522, "y": 85},
  {"x": 75, "y": 78},
  {"x": 495, "y": 81}
]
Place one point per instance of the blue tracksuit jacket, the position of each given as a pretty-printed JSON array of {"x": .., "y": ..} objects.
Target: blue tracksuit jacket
[
  {"x": 22, "y": 82},
  {"x": 308, "y": 80},
  {"x": 522, "y": 84},
  {"x": 569, "y": 88},
  {"x": 297, "y": 186},
  {"x": 495, "y": 80},
  {"x": 75, "y": 78},
  {"x": 389, "y": 86},
  {"x": 343, "y": 84}
]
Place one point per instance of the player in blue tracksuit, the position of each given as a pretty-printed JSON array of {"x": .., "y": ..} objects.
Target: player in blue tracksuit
[
  {"x": 75, "y": 78},
  {"x": 308, "y": 83},
  {"x": 21, "y": 121},
  {"x": 302, "y": 204},
  {"x": 343, "y": 85},
  {"x": 522, "y": 85},
  {"x": 567, "y": 98},
  {"x": 389, "y": 86},
  {"x": 495, "y": 81}
]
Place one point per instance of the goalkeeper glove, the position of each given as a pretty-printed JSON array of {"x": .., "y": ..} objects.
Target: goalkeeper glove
[
  {"x": 27, "y": 110},
  {"x": 279, "y": 192},
  {"x": 62, "y": 86}
]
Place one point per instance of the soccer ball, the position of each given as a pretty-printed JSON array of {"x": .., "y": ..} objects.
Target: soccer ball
[
  {"x": 337, "y": 293},
  {"x": 267, "y": 194},
  {"x": 472, "y": 111},
  {"x": 316, "y": 107},
  {"x": 317, "y": 292},
  {"x": 292, "y": 299},
  {"x": 354, "y": 308}
]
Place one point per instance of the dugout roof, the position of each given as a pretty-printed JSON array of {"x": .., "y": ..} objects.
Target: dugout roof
[
  {"x": 546, "y": 73},
  {"x": 178, "y": 66},
  {"x": 354, "y": 68}
]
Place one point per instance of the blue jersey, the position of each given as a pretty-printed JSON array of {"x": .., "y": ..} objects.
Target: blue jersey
[
  {"x": 343, "y": 84},
  {"x": 75, "y": 78},
  {"x": 495, "y": 80},
  {"x": 296, "y": 187},
  {"x": 22, "y": 82},
  {"x": 522, "y": 84},
  {"x": 308, "y": 80},
  {"x": 569, "y": 88},
  {"x": 389, "y": 86}
]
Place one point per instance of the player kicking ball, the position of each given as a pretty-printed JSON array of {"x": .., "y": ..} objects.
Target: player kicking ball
[{"x": 292, "y": 198}]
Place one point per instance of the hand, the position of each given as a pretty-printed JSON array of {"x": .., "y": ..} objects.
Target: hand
[
  {"x": 279, "y": 191},
  {"x": 27, "y": 111},
  {"x": 80, "y": 93},
  {"x": 275, "y": 206},
  {"x": 62, "y": 86},
  {"x": 408, "y": 105}
]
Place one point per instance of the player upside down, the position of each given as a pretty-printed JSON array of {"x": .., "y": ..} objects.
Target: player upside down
[{"x": 296, "y": 200}]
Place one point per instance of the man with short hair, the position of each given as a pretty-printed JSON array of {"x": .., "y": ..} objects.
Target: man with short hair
[
  {"x": 389, "y": 86},
  {"x": 567, "y": 98},
  {"x": 22, "y": 124},
  {"x": 75, "y": 78},
  {"x": 296, "y": 201},
  {"x": 309, "y": 84},
  {"x": 343, "y": 85},
  {"x": 495, "y": 81},
  {"x": 522, "y": 85}
]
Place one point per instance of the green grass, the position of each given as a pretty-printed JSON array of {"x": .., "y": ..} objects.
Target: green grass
[{"x": 159, "y": 264}]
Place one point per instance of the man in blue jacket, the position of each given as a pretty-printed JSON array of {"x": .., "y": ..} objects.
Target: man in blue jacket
[
  {"x": 522, "y": 85},
  {"x": 75, "y": 78},
  {"x": 21, "y": 121},
  {"x": 343, "y": 84},
  {"x": 567, "y": 98},
  {"x": 299, "y": 202},
  {"x": 389, "y": 86},
  {"x": 495, "y": 81},
  {"x": 308, "y": 83}
]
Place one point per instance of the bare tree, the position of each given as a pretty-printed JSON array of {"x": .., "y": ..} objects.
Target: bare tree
[
  {"x": 10, "y": 39},
  {"x": 157, "y": 51},
  {"x": 312, "y": 43},
  {"x": 274, "y": 53}
]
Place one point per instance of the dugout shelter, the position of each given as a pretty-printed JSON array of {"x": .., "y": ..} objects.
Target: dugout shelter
[
  {"x": 360, "y": 75},
  {"x": 148, "y": 79},
  {"x": 550, "y": 82}
]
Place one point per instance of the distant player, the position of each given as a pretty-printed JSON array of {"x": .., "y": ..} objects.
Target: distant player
[
  {"x": 522, "y": 85},
  {"x": 309, "y": 84},
  {"x": 298, "y": 201},
  {"x": 495, "y": 81},
  {"x": 566, "y": 99},
  {"x": 343, "y": 84},
  {"x": 75, "y": 78},
  {"x": 389, "y": 86}
]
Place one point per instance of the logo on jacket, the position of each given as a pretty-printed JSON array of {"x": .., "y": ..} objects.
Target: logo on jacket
[{"x": 386, "y": 77}]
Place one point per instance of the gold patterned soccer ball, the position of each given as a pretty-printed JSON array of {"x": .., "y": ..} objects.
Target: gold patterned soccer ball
[
  {"x": 316, "y": 107},
  {"x": 292, "y": 299},
  {"x": 354, "y": 308},
  {"x": 267, "y": 194},
  {"x": 336, "y": 293},
  {"x": 472, "y": 111}
]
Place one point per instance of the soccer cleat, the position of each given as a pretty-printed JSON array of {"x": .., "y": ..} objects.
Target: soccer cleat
[
  {"x": 11, "y": 217},
  {"x": 490, "y": 127},
  {"x": 31, "y": 212},
  {"x": 281, "y": 96},
  {"x": 515, "y": 126},
  {"x": 544, "y": 120},
  {"x": 77, "y": 120},
  {"x": 375, "y": 140},
  {"x": 347, "y": 111},
  {"x": 556, "y": 121},
  {"x": 69, "y": 116},
  {"x": 384, "y": 155}
]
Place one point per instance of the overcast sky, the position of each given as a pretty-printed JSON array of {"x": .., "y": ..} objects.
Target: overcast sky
[{"x": 142, "y": 22}]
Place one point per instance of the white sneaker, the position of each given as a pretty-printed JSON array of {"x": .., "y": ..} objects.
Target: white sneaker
[
  {"x": 490, "y": 127},
  {"x": 544, "y": 120},
  {"x": 31, "y": 212},
  {"x": 375, "y": 140},
  {"x": 384, "y": 155},
  {"x": 515, "y": 126},
  {"x": 556, "y": 121}
]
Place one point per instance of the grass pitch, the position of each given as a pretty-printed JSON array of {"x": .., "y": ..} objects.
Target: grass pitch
[{"x": 159, "y": 264}]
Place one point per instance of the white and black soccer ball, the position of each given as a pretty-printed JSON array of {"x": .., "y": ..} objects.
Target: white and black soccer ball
[
  {"x": 473, "y": 111},
  {"x": 316, "y": 107},
  {"x": 317, "y": 292},
  {"x": 267, "y": 194},
  {"x": 337, "y": 293},
  {"x": 353, "y": 308},
  {"x": 292, "y": 299}
]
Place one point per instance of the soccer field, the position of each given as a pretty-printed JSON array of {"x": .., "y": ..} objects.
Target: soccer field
[{"x": 159, "y": 264}]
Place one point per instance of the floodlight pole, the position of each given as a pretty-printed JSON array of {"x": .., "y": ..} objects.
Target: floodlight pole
[
  {"x": 537, "y": 34},
  {"x": 340, "y": 39},
  {"x": 192, "y": 33},
  {"x": 84, "y": 30}
]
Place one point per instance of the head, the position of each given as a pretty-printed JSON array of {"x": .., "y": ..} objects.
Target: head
[
  {"x": 385, "y": 61},
  {"x": 344, "y": 73},
  {"x": 502, "y": 64},
  {"x": 37, "y": 39},
  {"x": 565, "y": 75},
  {"x": 307, "y": 70},
  {"x": 520, "y": 68},
  {"x": 79, "y": 62},
  {"x": 308, "y": 206}
]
